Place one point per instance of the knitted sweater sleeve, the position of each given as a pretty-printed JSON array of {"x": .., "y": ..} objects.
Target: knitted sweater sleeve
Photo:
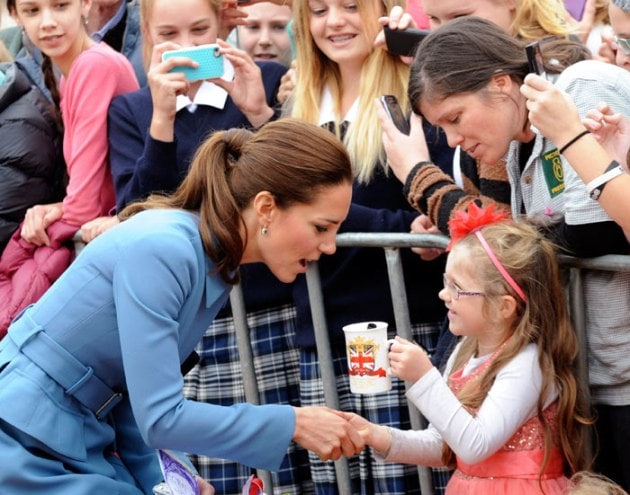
[{"x": 434, "y": 193}]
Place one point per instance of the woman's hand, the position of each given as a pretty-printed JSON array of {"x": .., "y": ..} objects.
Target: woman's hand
[
  {"x": 165, "y": 87},
  {"x": 408, "y": 361},
  {"x": 551, "y": 111},
  {"x": 37, "y": 220},
  {"x": 403, "y": 152},
  {"x": 246, "y": 89},
  {"x": 326, "y": 433},
  {"x": 422, "y": 225}
]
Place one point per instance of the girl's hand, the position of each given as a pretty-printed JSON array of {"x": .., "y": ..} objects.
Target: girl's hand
[
  {"x": 551, "y": 111},
  {"x": 408, "y": 361},
  {"x": 612, "y": 131},
  {"x": 374, "y": 435},
  {"x": 37, "y": 220},
  {"x": 165, "y": 87},
  {"x": 96, "y": 227},
  {"x": 403, "y": 152},
  {"x": 231, "y": 17},
  {"x": 397, "y": 19},
  {"x": 287, "y": 83},
  {"x": 246, "y": 89}
]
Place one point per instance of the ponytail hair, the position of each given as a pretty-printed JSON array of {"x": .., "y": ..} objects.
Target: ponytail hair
[
  {"x": 292, "y": 159},
  {"x": 50, "y": 80}
]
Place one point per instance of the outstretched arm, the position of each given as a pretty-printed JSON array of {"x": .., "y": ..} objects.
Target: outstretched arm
[{"x": 555, "y": 115}]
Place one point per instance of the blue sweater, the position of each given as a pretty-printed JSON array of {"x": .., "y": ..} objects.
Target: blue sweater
[
  {"x": 142, "y": 165},
  {"x": 354, "y": 280}
]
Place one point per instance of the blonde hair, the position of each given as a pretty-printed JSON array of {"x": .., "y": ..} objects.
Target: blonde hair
[
  {"x": 382, "y": 73},
  {"x": 544, "y": 320},
  {"x": 536, "y": 19},
  {"x": 146, "y": 10},
  {"x": 586, "y": 483}
]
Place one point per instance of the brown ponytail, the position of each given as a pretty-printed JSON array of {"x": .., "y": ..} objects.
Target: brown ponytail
[
  {"x": 50, "y": 80},
  {"x": 290, "y": 158}
]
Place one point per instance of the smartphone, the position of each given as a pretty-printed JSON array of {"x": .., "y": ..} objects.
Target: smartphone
[
  {"x": 535, "y": 58},
  {"x": 207, "y": 56},
  {"x": 392, "y": 107},
  {"x": 404, "y": 41}
]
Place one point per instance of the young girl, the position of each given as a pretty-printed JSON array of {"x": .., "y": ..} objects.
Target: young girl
[
  {"x": 92, "y": 75},
  {"x": 508, "y": 414},
  {"x": 339, "y": 75}
]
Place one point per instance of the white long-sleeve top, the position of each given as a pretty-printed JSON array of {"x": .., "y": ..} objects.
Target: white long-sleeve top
[{"x": 510, "y": 402}]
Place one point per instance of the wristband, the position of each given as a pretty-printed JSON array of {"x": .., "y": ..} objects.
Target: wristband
[
  {"x": 579, "y": 136},
  {"x": 596, "y": 186}
]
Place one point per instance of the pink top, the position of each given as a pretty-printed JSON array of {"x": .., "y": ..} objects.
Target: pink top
[{"x": 96, "y": 76}]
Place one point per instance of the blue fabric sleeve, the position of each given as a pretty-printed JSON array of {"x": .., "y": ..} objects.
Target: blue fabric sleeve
[{"x": 151, "y": 284}]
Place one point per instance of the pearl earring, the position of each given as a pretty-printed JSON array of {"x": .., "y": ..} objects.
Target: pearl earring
[{"x": 264, "y": 230}]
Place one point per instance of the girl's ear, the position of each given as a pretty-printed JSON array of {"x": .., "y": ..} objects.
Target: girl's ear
[
  {"x": 86, "y": 5},
  {"x": 507, "y": 307}
]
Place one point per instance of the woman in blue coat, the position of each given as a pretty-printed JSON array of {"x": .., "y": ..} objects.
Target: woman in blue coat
[{"x": 90, "y": 376}]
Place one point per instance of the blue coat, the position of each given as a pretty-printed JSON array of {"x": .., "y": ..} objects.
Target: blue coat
[{"x": 129, "y": 310}]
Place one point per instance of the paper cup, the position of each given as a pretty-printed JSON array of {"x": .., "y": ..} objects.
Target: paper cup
[{"x": 366, "y": 349}]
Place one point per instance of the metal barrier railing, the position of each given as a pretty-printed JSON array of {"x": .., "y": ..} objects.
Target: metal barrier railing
[{"x": 391, "y": 243}]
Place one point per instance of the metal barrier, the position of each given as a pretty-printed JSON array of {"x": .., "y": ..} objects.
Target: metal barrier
[{"x": 391, "y": 243}]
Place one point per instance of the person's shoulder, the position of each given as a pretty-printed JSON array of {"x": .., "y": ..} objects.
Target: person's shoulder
[
  {"x": 102, "y": 59},
  {"x": 595, "y": 71},
  {"x": 139, "y": 99},
  {"x": 165, "y": 228}
]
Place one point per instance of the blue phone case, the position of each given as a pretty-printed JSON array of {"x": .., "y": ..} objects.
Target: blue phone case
[{"x": 207, "y": 56}]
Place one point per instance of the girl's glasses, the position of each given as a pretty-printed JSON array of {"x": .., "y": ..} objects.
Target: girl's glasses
[
  {"x": 455, "y": 292},
  {"x": 623, "y": 44}
]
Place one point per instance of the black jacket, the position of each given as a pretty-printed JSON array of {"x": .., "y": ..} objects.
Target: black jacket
[{"x": 31, "y": 168}]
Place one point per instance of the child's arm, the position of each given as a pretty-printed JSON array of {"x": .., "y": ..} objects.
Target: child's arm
[{"x": 473, "y": 437}]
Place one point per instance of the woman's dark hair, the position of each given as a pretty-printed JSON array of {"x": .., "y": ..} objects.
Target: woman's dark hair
[
  {"x": 464, "y": 54},
  {"x": 292, "y": 159}
]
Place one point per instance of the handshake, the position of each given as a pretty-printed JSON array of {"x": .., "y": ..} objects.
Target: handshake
[{"x": 331, "y": 434}]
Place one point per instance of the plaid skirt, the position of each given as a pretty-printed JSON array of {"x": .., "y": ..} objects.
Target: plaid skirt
[
  {"x": 368, "y": 476},
  {"x": 218, "y": 379}
]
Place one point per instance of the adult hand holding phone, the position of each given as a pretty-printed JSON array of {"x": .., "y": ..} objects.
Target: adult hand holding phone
[{"x": 403, "y": 151}]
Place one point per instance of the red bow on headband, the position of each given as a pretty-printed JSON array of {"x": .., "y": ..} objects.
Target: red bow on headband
[{"x": 465, "y": 222}]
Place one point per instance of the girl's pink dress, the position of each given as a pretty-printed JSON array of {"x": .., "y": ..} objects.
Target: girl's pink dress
[{"x": 513, "y": 469}]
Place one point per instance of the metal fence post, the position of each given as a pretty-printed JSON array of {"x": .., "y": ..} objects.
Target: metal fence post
[
  {"x": 250, "y": 385},
  {"x": 326, "y": 365}
]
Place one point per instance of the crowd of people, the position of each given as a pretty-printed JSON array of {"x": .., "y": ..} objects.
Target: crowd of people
[{"x": 180, "y": 189}]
